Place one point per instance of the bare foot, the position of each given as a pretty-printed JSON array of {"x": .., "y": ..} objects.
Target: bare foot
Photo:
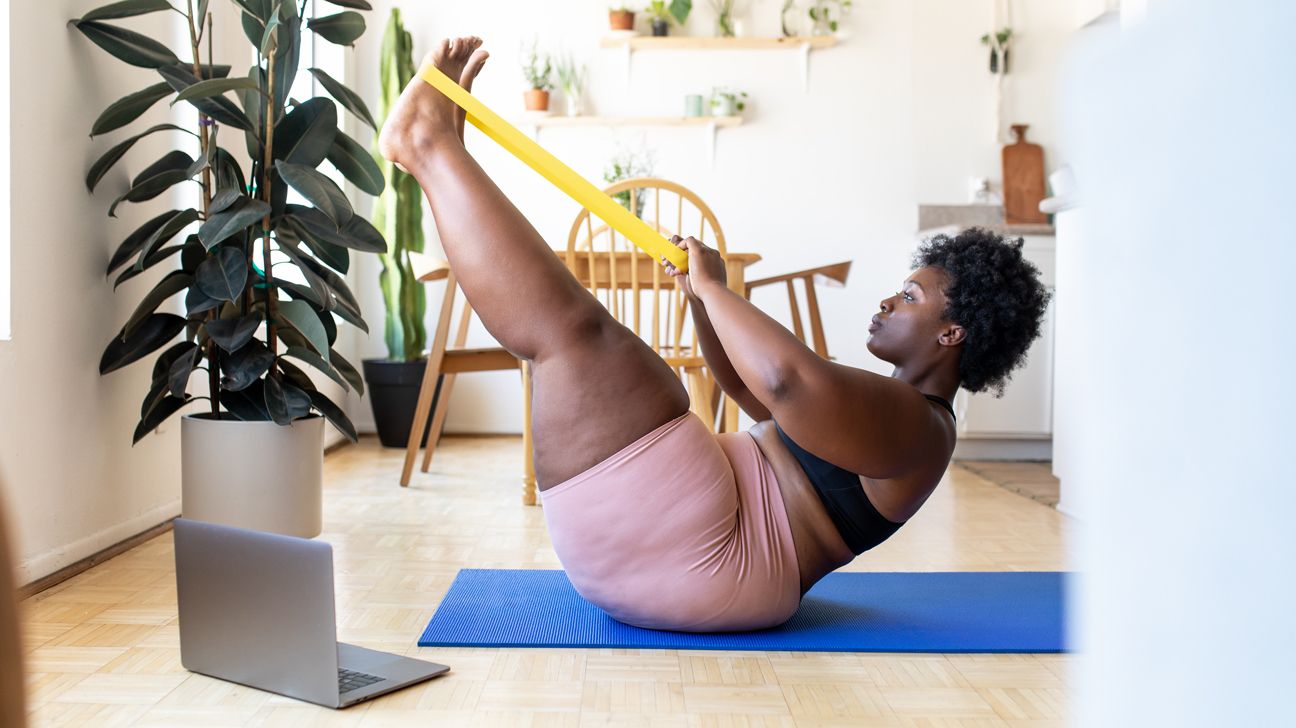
[{"x": 424, "y": 117}]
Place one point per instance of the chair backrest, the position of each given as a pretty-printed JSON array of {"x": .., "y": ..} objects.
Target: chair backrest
[{"x": 629, "y": 282}]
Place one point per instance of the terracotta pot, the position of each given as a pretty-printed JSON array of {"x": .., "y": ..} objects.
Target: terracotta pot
[
  {"x": 621, "y": 19},
  {"x": 537, "y": 100}
]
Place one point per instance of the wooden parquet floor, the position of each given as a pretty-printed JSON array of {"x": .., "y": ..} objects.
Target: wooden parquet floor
[
  {"x": 103, "y": 647},
  {"x": 1033, "y": 479}
]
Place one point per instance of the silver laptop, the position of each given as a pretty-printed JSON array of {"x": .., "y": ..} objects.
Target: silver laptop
[{"x": 257, "y": 608}]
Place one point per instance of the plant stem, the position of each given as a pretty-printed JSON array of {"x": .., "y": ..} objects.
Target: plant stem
[
  {"x": 267, "y": 155},
  {"x": 213, "y": 367}
]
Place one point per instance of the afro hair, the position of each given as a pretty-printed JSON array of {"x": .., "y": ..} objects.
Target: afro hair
[{"x": 995, "y": 294}]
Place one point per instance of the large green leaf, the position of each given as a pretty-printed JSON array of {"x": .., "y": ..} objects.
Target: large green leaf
[
  {"x": 233, "y": 334},
  {"x": 319, "y": 363},
  {"x": 356, "y": 164},
  {"x": 126, "y": 9},
  {"x": 348, "y": 372},
  {"x": 357, "y": 233},
  {"x": 342, "y": 28},
  {"x": 305, "y": 134},
  {"x": 247, "y": 404},
  {"x": 231, "y": 220},
  {"x": 300, "y": 316},
  {"x": 131, "y": 245},
  {"x": 223, "y": 275},
  {"x": 155, "y": 179},
  {"x": 197, "y": 302},
  {"x": 336, "y": 283},
  {"x": 168, "y": 406},
  {"x": 178, "y": 374},
  {"x": 293, "y": 375},
  {"x": 254, "y": 108},
  {"x": 345, "y": 96},
  {"x": 334, "y": 256},
  {"x": 287, "y": 57},
  {"x": 162, "y": 365},
  {"x": 192, "y": 255},
  {"x": 217, "y": 107},
  {"x": 127, "y": 45},
  {"x": 223, "y": 199},
  {"x": 110, "y": 157},
  {"x": 129, "y": 108},
  {"x": 269, "y": 36},
  {"x": 319, "y": 290},
  {"x": 245, "y": 366},
  {"x": 319, "y": 190},
  {"x": 259, "y": 9},
  {"x": 305, "y": 293},
  {"x": 173, "y": 283},
  {"x": 212, "y": 87},
  {"x": 286, "y": 402},
  {"x": 173, "y": 225},
  {"x": 357, "y": 4},
  {"x": 228, "y": 172},
  {"x": 157, "y": 330},
  {"x": 149, "y": 262},
  {"x": 335, "y": 415}
]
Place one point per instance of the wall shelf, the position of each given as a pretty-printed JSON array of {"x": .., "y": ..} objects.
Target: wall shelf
[
  {"x": 806, "y": 43},
  {"x": 539, "y": 121},
  {"x": 670, "y": 42}
]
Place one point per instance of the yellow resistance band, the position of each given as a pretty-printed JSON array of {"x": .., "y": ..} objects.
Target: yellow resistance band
[{"x": 551, "y": 168}]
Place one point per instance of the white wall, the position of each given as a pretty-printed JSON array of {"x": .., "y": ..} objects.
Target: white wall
[
  {"x": 1183, "y": 162},
  {"x": 900, "y": 112},
  {"x": 74, "y": 484}
]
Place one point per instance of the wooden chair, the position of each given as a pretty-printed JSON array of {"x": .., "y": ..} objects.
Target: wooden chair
[
  {"x": 834, "y": 274},
  {"x": 445, "y": 362},
  {"x": 613, "y": 269}
]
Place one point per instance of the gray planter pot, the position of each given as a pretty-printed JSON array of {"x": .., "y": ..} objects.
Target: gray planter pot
[{"x": 256, "y": 475}]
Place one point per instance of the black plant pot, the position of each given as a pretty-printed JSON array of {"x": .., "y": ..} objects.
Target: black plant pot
[
  {"x": 393, "y": 388},
  {"x": 659, "y": 27}
]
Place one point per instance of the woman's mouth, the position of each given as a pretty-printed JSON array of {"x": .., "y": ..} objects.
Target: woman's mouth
[{"x": 875, "y": 325}]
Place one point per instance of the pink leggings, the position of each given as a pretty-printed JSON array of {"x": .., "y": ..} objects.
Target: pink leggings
[{"x": 680, "y": 530}]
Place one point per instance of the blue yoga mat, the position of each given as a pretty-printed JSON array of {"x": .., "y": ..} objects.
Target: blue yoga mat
[{"x": 845, "y": 612}]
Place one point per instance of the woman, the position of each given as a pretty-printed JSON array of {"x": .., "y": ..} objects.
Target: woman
[{"x": 655, "y": 520}]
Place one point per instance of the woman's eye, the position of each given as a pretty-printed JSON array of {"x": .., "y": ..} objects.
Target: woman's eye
[{"x": 908, "y": 297}]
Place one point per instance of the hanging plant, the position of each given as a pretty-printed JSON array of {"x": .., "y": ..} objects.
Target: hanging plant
[
  {"x": 251, "y": 331},
  {"x": 998, "y": 49}
]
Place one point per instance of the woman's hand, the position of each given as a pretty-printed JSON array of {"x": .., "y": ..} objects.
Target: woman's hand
[{"x": 706, "y": 268}]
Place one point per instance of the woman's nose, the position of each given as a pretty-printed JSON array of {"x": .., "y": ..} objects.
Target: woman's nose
[{"x": 884, "y": 305}]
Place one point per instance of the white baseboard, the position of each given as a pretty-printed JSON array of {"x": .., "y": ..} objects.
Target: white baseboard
[
  {"x": 986, "y": 448},
  {"x": 43, "y": 565}
]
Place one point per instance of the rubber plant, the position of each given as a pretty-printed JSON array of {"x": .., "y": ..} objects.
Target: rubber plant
[
  {"x": 399, "y": 213},
  {"x": 249, "y": 329}
]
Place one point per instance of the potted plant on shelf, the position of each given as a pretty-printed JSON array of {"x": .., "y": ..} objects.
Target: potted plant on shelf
[
  {"x": 662, "y": 14},
  {"x": 262, "y": 278},
  {"x": 727, "y": 102},
  {"x": 625, "y": 164},
  {"x": 571, "y": 79},
  {"x": 394, "y": 382},
  {"x": 825, "y": 20},
  {"x": 537, "y": 69},
  {"x": 621, "y": 17},
  {"x": 725, "y": 24},
  {"x": 998, "y": 49}
]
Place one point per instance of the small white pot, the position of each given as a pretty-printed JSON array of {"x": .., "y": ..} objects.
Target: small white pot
[{"x": 256, "y": 475}]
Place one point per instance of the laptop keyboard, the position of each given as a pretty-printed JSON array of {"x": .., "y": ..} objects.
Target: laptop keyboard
[{"x": 349, "y": 680}]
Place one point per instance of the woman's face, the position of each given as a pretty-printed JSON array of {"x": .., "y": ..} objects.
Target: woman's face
[{"x": 910, "y": 321}]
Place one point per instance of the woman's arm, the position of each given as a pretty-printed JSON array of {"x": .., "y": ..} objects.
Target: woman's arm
[
  {"x": 718, "y": 361},
  {"x": 870, "y": 424}
]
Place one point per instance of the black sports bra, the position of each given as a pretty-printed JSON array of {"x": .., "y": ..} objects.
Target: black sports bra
[{"x": 858, "y": 522}]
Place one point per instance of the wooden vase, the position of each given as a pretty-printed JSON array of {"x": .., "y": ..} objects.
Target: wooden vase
[
  {"x": 1023, "y": 179},
  {"x": 537, "y": 100}
]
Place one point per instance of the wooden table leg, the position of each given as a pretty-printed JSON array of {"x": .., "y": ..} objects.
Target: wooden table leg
[{"x": 528, "y": 448}]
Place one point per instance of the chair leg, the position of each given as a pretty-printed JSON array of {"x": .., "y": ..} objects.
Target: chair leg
[
  {"x": 528, "y": 449},
  {"x": 438, "y": 420},
  {"x": 426, "y": 391}
]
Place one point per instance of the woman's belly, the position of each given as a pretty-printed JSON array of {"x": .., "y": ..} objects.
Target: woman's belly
[{"x": 820, "y": 548}]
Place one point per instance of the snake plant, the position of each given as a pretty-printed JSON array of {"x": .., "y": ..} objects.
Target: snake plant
[{"x": 399, "y": 213}]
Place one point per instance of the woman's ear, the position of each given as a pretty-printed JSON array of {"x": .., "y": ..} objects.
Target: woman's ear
[{"x": 952, "y": 335}]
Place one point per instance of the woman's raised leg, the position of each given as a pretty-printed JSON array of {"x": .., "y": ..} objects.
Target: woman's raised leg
[{"x": 596, "y": 386}]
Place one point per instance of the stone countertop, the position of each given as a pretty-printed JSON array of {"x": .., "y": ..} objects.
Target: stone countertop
[{"x": 965, "y": 216}]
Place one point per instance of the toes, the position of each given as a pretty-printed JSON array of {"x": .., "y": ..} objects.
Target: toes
[{"x": 473, "y": 68}]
